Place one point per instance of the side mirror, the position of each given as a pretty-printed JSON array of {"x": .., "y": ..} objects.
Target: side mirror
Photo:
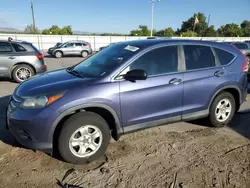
[{"x": 136, "y": 74}]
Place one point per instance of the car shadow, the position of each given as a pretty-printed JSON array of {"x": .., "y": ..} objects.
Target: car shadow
[
  {"x": 5, "y": 135},
  {"x": 66, "y": 56}
]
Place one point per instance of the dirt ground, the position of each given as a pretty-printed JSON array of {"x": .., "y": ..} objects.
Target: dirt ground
[{"x": 188, "y": 154}]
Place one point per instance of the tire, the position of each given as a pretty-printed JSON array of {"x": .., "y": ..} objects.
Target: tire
[
  {"x": 83, "y": 121},
  {"x": 84, "y": 54},
  {"x": 58, "y": 54},
  {"x": 248, "y": 59},
  {"x": 22, "y": 72},
  {"x": 213, "y": 118}
]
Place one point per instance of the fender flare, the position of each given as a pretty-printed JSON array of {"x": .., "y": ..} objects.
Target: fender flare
[
  {"x": 119, "y": 127},
  {"x": 223, "y": 88}
]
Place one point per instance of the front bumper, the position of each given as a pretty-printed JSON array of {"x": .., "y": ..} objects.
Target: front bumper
[{"x": 31, "y": 128}]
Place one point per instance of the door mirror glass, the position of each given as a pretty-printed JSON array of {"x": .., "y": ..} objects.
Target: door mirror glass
[{"x": 136, "y": 74}]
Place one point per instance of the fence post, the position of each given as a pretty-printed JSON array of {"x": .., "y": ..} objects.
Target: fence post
[
  {"x": 61, "y": 39},
  {"x": 110, "y": 40},
  {"x": 38, "y": 42}
]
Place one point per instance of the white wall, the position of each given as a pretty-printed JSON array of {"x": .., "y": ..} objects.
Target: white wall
[{"x": 43, "y": 42}]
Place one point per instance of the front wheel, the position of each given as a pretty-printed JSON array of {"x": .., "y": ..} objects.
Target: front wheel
[
  {"x": 222, "y": 110},
  {"x": 84, "y": 138},
  {"x": 85, "y": 54},
  {"x": 58, "y": 54}
]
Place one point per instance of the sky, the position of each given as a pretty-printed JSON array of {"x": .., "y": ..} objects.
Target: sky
[{"x": 118, "y": 16}]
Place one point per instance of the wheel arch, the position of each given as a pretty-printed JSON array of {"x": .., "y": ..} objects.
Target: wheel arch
[
  {"x": 100, "y": 109},
  {"x": 54, "y": 52},
  {"x": 234, "y": 90},
  {"x": 21, "y": 63}
]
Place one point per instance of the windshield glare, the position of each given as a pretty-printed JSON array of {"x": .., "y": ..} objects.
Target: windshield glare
[{"x": 106, "y": 60}]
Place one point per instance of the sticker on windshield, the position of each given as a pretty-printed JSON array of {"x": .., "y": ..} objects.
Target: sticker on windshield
[{"x": 131, "y": 48}]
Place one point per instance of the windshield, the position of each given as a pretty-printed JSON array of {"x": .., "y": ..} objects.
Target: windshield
[{"x": 106, "y": 60}]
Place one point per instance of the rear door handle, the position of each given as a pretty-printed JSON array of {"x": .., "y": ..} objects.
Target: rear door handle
[
  {"x": 175, "y": 81},
  {"x": 218, "y": 73},
  {"x": 11, "y": 57}
]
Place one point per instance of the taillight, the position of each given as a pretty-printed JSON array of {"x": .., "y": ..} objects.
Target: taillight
[
  {"x": 39, "y": 56},
  {"x": 89, "y": 45},
  {"x": 245, "y": 65}
]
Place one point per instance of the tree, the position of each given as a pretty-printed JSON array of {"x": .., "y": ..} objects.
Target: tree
[
  {"x": 55, "y": 30},
  {"x": 200, "y": 28},
  {"x": 245, "y": 26},
  {"x": 189, "y": 34},
  {"x": 210, "y": 32},
  {"x": 66, "y": 30},
  {"x": 169, "y": 32},
  {"x": 230, "y": 30},
  {"x": 142, "y": 31},
  {"x": 30, "y": 29}
]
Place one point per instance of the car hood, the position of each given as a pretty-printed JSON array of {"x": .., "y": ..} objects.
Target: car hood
[{"x": 51, "y": 82}]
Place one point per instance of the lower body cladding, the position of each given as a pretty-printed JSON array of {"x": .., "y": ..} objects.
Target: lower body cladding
[{"x": 31, "y": 128}]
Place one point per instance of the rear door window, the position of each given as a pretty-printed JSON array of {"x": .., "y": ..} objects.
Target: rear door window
[
  {"x": 79, "y": 44},
  {"x": 198, "y": 57},
  {"x": 224, "y": 56},
  {"x": 18, "y": 47},
  {"x": 5, "y": 47}
]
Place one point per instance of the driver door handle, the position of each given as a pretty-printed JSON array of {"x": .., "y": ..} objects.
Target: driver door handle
[
  {"x": 11, "y": 57},
  {"x": 175, "y": 81}
]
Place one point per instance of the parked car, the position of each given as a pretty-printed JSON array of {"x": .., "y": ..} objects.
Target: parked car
[
  {"x": 248, "y": 42},
  {"x": 103, "y": 47},
  {"x": 244, "y": 48},
  {"x": 20, "y": 60},
  {"x": 127, "y": 87},
  {"x": 71, "y": 48},
  {"x": 58, "y": 44}
]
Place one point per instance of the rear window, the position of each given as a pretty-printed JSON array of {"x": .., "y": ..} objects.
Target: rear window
[
  {"x": 35, "y": 49},
  {"x": 224, "y": 56},
  {"x": 18, "y": 47},
  {"x": 198, "y": 57}
]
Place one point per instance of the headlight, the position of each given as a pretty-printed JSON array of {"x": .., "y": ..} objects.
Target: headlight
[{"x": 39, "y": 101}]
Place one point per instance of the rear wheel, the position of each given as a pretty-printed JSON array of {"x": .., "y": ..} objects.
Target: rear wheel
[
  {"x": 22, "y": 72},
  {"x": 58, "y": 54},
  {"x": 222, "y": 110},
  {"x": 85, "y": 54},
  {"x": 248, "y": 59},
  {"x": 84, "y": 137}
]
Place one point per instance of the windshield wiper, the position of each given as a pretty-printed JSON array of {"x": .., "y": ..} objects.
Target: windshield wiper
[{"x": 74, "y": 72}]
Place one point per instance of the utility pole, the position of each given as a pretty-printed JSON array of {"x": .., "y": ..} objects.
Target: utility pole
[
  {"x": 33, "y": 17},
  {"x": 152, "y": 21}
]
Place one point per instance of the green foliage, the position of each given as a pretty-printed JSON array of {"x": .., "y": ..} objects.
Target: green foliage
[
  {"x": 30, "y": 29},
  {"x": 210, "y": 32},
  {"x": 55, "y": 30},
  {"x": 230, "y": 30},
  {"x": 169, "y": 32},
  {"x": 142, "y": 31},
  {"x": 200, "y": 28},
  {"x": 245, "y": 26},
  {"x": 189, "y": 34}
]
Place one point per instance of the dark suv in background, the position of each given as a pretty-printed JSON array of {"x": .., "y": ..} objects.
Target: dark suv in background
[
  {"x": 127, "y": 87},
  {"x": 20, "y": 60}
]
